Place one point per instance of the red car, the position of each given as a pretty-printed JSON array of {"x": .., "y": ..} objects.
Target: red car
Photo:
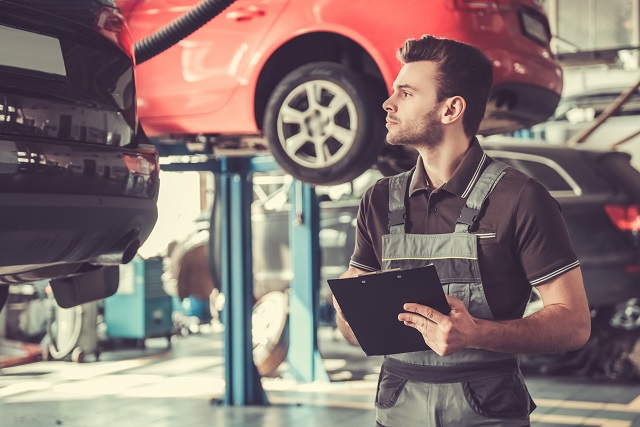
[{"x": 306, "y": 78}]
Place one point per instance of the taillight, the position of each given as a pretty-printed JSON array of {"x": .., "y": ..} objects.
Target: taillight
[
  {"x": 625, "y": 217},
  {"x": 126, "y": 7},
  {"x": 141, "y": 164},
  {"x": 490, "y": 5},
  {"x": 632, "y": 269},
  {"x": 111, "y": 24}
]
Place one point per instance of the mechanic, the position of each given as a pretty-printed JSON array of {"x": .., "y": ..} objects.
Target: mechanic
[{"x": 492, "y": 232}]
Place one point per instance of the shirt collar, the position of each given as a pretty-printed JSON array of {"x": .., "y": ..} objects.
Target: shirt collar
[{"x": 464, "y": 177}]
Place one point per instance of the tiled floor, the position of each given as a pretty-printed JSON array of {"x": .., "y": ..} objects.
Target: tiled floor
[{"x": 155, "y": 387}]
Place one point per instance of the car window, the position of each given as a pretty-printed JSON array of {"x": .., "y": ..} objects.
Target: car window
[
  {"x": 555, "y": 179},
  {"x": 579, "y": 115}
]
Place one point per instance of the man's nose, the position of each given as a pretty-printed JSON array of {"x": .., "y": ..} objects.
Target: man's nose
[{"x": 388, "y": 105}]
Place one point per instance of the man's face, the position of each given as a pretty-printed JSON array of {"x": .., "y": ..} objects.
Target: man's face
[{"x": 413, "y": 118}]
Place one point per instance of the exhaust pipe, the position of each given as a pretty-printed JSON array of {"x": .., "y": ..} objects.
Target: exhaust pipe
[{"x": 118, "y": 256}]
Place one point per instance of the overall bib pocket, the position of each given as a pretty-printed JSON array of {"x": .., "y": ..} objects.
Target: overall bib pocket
[
  {"x": 503, "y": 396},
  {"x": 389, "y": 389}
]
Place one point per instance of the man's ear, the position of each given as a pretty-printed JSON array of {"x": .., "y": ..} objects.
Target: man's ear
[{"x": 454, "y": 109}]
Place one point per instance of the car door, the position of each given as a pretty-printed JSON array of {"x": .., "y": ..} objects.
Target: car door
[{"x": 200, "y": 73}]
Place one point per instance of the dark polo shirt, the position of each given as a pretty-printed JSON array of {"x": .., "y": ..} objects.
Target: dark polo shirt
[{"x": 522, "y": 237}]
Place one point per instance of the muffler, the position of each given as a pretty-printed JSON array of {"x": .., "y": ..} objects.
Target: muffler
[{"x": 97, "y": 283}]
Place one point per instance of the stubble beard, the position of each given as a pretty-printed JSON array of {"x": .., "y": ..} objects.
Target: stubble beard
[{"x": 426, "y": 133}]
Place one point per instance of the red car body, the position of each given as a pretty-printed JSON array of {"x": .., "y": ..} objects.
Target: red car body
[{"x": 218, "y": 80}]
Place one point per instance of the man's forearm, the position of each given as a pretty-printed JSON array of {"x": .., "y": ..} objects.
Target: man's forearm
[
  {"x": 551, "y": 329},
  {"x": 346, "y": 331}
]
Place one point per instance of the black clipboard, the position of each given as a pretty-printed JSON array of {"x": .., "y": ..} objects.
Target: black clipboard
[{"x": 371, "y": 304}]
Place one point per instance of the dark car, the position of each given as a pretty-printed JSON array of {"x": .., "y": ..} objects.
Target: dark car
[
  {"x": 78, "y": 178},
  {"x": 599, "y": 192}
]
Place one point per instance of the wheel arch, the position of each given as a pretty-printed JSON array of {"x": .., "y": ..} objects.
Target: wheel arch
[{"x": 315, "y": 47}]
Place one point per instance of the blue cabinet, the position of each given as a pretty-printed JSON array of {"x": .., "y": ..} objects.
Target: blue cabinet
[{"x": 140, "y": 309}]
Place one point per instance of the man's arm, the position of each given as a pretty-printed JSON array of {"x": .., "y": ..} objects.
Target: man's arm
[
  {"x": 341, "y": 322},
  {"x": 564, "y": 323}
]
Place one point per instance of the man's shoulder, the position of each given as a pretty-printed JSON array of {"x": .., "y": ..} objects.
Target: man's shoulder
[
  {"x": 514, "y": 181},
  {"x": 379, "y": 188},
  {"x": 516, "y": 186}
]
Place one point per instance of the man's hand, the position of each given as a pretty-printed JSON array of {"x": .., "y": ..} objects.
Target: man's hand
[{"x": 443, "y": 334}]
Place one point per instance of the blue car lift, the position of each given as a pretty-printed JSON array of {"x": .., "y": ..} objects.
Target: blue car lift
[{"x": 243, "y": 386}]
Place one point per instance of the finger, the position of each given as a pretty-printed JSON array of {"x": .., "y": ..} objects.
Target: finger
[
  {"x": 422, "y": 323},
  {"x": 423, "y": 331},
  {"x": 425, "y": 311},
  {"x": 416, "y": 326}
]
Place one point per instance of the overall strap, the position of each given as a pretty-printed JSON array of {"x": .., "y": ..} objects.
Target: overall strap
[
  {"x": 398, "y": 189},
  {"x": 481, "y": 190}
]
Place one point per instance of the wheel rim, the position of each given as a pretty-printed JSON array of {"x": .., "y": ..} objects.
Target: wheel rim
[
  {"x": 266, "y": 321},
  {"x": 317, "y": 124},
  {"x": 627, "y": 317}
]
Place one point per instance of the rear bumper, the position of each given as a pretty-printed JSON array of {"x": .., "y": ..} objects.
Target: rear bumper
[
  {"x": 45, "y": 235},
  {"x": 515, "y": 106}
]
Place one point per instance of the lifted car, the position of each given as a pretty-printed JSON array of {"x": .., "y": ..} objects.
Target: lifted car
[
  {"x": 78, "y": 178},
  {"x": 307, "y": 78}
]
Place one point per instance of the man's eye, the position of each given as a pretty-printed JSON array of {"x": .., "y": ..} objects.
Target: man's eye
[{"x": 406, "y": 94}]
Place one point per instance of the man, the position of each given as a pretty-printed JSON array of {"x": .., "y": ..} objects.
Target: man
[{"x": 492, "y": 233}]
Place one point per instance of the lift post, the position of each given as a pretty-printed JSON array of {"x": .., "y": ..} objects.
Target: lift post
[
  {"x": 304, "y": 360},
  {"x": 243, "y": 386}
]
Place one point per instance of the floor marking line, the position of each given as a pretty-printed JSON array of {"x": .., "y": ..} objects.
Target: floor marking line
[
  {"x": 323, "y": 402},
  {"x": 576, "y": 404},
  {"x": 581, "y": 421},
  {"x": 635, "y": 403}
]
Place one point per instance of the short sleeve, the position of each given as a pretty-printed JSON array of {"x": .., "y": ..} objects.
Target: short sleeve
[
  {"x": 364, "y": 256},
  {"x": 542, "y": 241}
]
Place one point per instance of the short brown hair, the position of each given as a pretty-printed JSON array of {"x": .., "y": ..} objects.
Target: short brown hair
[{"x": 463, "y": 70}]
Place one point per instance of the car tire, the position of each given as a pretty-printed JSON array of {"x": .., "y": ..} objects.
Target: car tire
[
  {"x": 270, "y": 331},
  {"x": 351, "y": 133}
]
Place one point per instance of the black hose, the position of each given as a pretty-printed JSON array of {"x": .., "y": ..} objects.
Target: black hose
[
  {"x": 178, "y": 29},
  {"x": 4, "y": 295},
  {"x": 214, "y": 246}
]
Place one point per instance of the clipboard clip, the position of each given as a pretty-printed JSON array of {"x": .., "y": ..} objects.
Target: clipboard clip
[{"x": 380, "y": 271}]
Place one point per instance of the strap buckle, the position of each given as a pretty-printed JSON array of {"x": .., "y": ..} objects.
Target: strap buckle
[
  {"x": 397, "y": 218},
  {"x": 469, "y": 217}
]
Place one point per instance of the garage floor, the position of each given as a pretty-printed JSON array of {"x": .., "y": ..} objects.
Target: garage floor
[{"x": 154, "y": 387}]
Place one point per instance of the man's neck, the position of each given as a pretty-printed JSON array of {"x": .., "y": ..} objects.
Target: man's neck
[{"x": 441, "y": 162}]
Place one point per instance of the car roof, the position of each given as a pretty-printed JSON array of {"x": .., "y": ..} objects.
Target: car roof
[{"x": 517, "y": 144}]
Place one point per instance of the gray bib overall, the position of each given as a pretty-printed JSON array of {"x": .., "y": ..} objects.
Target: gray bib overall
[{"x": 468, "y": 388}]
